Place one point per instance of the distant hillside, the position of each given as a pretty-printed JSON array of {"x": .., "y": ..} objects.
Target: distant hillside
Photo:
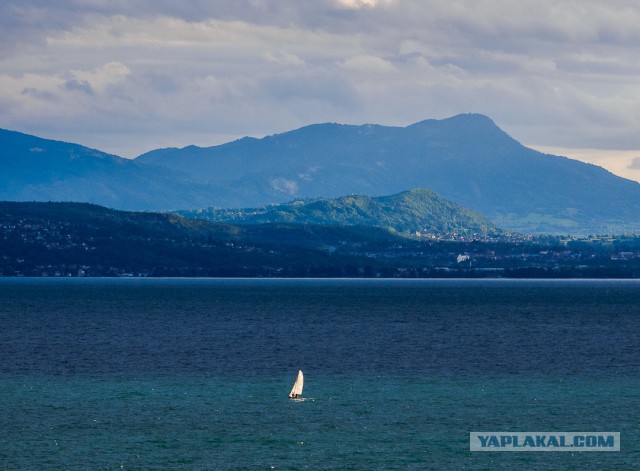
[
  {"x": 466, "y": 159},
  {"x": 407, "y": 212},
  {"x": 79, "y": 239},
  {"x": 35, "y": 169},
  {"x": 110, "y": 223}
]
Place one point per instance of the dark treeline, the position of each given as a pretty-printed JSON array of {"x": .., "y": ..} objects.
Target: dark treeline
[{"x": 71, "y": 239}]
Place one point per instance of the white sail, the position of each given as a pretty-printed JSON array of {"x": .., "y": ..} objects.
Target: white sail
[{"x": 296, "y": 390}]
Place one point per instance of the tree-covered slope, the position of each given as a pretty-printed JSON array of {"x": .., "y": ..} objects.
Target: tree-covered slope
[
  {"x": 77, "y": 239},
  {"x": 417, "y": 210},
  {"x": 466, "y": 158}
]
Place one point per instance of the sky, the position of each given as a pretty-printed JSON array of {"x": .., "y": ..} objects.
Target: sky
[{"x": 129, "y": 76}]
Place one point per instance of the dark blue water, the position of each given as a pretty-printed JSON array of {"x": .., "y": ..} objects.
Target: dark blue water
[{"x": 194, "y": 374}]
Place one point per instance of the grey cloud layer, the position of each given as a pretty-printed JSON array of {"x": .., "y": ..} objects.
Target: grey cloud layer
[{"x": 559, "y": 73}]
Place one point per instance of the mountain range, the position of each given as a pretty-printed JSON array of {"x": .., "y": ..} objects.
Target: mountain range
[
  {"x": 466, "y": 159},
  {"x": 35, "y": 169}
]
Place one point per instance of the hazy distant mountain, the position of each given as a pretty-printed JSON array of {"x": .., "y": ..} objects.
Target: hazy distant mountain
[
  {"x": 466, "y": 159},
  {"x": 406, "y": 212},
  {"x": 35, "y": 169}
]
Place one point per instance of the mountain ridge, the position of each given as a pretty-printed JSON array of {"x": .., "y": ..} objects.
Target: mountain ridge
[
  {"x": 38, "y": 169},
  {"x": 467, "y": 159},
  {"x": 414, "y": 211}
]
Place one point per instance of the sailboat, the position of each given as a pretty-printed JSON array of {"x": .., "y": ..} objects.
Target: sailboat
[{"x": 296, "y": 390}]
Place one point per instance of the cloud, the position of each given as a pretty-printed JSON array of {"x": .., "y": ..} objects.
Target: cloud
[
  {"x": 624, "y": 163},
  {"x": 284, "y": 185},
  {"x": 550, "y": 72},
  {"x": 634, "y": 164},
  {"x": 101, "y": 78},
  {"x": 283, "y": 58},
  {"x": 79, "y": 85},
  {"x": 367, "y": 63},
  {"x": 59, "y": 89},
  {"x": 41, "y": 95},
  {"x": 356, "y": 4}
]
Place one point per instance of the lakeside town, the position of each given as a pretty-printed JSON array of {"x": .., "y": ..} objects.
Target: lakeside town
[{"x": 39, "y": 246}]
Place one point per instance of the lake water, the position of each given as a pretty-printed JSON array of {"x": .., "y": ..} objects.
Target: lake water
[{"x": 194, "y": 374}]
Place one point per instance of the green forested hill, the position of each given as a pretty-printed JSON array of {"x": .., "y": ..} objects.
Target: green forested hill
[
  {"x": 78, "y": 239},
  {"x": 417, "y": 210},
  {"x": 467, "y": 159}
]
